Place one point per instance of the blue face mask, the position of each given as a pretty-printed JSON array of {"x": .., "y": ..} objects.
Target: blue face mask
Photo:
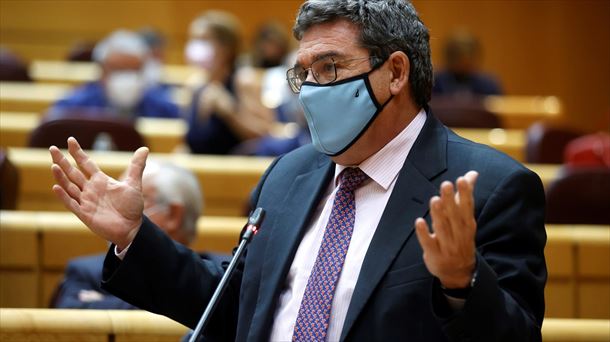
[{"x": 339, "y": 113}]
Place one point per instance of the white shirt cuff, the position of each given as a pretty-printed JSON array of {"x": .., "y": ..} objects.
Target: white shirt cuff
[
  {"x": 121, "y": 254},
  {"x": 456, "y": 304}
]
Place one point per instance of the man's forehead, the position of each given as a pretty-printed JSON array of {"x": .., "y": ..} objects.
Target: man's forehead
[{"x": 337, "y": 38}]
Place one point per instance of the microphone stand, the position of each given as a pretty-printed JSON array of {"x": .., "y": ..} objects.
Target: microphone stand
[{"x": 254, "y": 222}]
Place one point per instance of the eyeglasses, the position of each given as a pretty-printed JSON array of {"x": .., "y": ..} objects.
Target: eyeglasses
[{"x": 324, "y": 71}]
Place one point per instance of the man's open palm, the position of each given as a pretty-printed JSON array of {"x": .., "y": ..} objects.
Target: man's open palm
[{"x": 112, "y": 209}]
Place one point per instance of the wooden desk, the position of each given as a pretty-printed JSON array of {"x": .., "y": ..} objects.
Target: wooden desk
[
  {"x": 226, "y": 181},
  {"x": 160, "y": 135},
  {"x": 17, "y": 325},
  {"x": 129, "y": 325},
  {"x": 39, "y": 97},
  {"x": 36, "y": 247},
  {"x": 81, "y": 72},
  {"x": 164, "y": 135},
  {"x": 521, "y": 111}
]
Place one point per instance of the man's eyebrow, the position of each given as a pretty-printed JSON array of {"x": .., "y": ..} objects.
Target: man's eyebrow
[{"x": 317, "y": 57}]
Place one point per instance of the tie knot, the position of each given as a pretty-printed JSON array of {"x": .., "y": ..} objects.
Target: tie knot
[{"x": 352, "y": 178}]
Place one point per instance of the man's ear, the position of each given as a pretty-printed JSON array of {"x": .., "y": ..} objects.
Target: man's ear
[
  {"x": 399, "y": 65},
  {"x": 175, "y": 218}
]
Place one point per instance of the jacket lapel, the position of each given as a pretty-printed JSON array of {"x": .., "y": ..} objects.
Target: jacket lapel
[
  {"x": 302, "y": 198},
  {"x": 408, "y": 201}
]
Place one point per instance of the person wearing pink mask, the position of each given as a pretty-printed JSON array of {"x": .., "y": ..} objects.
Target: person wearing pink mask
[
  {"x": 221, "y": 114},
  {"x": 122, "y": 88}
]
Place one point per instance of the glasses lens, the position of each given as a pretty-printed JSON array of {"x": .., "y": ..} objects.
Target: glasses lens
[
  {"x": 295, "y": 78},
  {"x": 324, "y": 70}
]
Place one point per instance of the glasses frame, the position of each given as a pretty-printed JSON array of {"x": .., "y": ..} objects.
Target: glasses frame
[{"x": 293, "y": 78}]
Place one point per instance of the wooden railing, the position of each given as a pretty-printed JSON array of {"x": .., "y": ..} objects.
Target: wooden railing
[
  {"x": 36, "y": 246},
  {"x": 18, "y": 325}
]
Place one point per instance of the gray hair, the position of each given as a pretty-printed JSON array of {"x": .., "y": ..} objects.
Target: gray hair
[
  {"x": 121, "y": 41},
  {"x": 177, "y": 185},
  {"x": 385, "y": 26}
]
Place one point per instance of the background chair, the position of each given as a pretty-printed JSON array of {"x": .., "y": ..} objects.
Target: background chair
[
  {"x": 12, "y": 68},
  {"x": 579, "y": 195},
  {"x": 9, "y": 183},
  {"x": 101, "y": 132},
  {"x": 469, "y": 112},
  {"x": 546, "y": 143}
]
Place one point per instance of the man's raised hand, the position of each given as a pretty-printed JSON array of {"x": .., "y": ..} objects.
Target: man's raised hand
[
  {"x": 112, "y": 209},
  {"x": 449, "y": 251}
]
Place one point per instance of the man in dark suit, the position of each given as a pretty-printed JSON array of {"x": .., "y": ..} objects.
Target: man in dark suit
[
  {"x": 173, "y": 201},
  {"x": 366, "y": 238}
]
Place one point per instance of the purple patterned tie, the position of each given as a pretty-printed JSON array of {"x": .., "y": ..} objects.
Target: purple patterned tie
[{"x": 314, "y": 314}]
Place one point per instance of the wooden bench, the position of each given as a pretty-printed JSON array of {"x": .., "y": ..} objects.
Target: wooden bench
[
  {"x": 38, "y": 97},
  {"x": 87, "y": 325},
  {"x": 160, "y": 135},
  {"x": 82, "y": 72},
  {"x": 226, "y": 181},
  {"x": 36, "y": 246},
  {"x": 17, "y": 325},
  {"x": 165, "y": 135}
]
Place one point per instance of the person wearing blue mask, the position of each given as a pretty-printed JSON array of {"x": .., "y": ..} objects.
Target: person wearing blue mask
[
  {"x": 123, "y": 88},
  {"x": 388, "y": 227}
]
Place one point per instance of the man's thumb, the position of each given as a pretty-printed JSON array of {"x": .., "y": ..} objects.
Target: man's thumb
[{"x": 136, "y": 167}]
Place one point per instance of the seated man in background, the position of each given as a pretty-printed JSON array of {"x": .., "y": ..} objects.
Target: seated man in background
[
  {"x": 122, "y": 87},
  {"x": 461, "y": 76},
  {"x": 173, "y": 201}
]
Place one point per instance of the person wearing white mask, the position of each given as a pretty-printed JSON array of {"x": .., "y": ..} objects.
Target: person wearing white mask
[
  {"x": 122, "y": 88},
  {"x": 221, "y": 114}
]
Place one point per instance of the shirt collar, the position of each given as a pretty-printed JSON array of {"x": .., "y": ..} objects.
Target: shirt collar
[{"x": 383, "y": 166}]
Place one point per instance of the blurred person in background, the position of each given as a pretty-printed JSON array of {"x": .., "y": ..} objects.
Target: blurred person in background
[
  {"x": 173, "y": 201},
  {"x": 225, "y": 110},
  {"x": 270, "y": 47},
  {"x": 156, "y": 43},
  {"x": 122, "y": 88},
  {"x": 462, "y": 76}
]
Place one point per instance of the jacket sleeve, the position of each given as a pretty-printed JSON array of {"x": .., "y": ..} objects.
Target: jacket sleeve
[{"x": 506, "y": 302}]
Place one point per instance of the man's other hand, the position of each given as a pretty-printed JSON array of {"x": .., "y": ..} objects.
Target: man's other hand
[{"x": 449, "y": 251}]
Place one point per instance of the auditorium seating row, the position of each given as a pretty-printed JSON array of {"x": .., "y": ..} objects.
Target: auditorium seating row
[
  {"x": 226, "y": 181},
  {"x": 130, "y": 326},
  {"x": 513, "y": 111},
  {"x": 165, "y": 135},
  {"x": 35, "y": 247}
]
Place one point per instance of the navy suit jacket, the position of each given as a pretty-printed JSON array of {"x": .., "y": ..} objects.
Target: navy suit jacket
[{"x": 395, "y": 297}]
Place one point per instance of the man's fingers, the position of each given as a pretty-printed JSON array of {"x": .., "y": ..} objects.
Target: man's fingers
[
  {"x": 440, "y": 221},
  {"x": 449, "y": 206},
  {"x": 71, "y": 188},
  {"x": 465, "y": 196},
  {"x": 68, "y": 201},
  {"x": 427, "y": 242},
  {"x": 81, "y": 158},
  {"x": 74, "y": 174},
  {"x": 136, "y": 168}
]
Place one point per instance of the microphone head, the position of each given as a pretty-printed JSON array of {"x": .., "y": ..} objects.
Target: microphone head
[{"x": 256, "y": 218}]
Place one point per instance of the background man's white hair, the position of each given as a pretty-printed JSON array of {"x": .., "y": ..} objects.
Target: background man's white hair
[
  {"x": 176, "y": 185},
  {"x": 121, "y": 41}
]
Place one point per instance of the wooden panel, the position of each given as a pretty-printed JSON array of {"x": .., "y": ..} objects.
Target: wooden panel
[
  {"x": 60, "y": 246},
  {"x": 559, "y": 299},
  {"x": 559, "y": 258},
  {"x": 594, "y": 299},
  {"x": 51, "y": 337},
  {"x": 594, "y": 259},
  {"x": 18, "y": 247},
  {"x": 18, "y": 289}
]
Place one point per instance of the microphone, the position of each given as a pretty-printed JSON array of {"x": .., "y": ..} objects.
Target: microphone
[{"x": 254, "y": 222}]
